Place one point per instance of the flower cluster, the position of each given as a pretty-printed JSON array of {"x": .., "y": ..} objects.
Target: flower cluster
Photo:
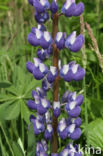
[{"x": 39, "y": 36}]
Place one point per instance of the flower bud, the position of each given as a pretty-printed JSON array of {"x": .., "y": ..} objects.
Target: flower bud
[{"x": 54, "y": 7}]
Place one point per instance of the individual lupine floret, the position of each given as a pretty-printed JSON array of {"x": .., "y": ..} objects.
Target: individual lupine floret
[
  {"x": 54, "y": 6},
  {"x": 50, "y": 50},
  {"x": 41, "y": 5},
  {"x": 62, "y": 128},
  {"x": 46, "y": 40},
  {"x": 60, "y": 40},
  {"x": 43, "y": 106},
  {"x": 73, "y": 132},
  {"x": 73, "y": 42},
  {"x": 48, "y": 132},
  {"x": 77, "y": 121},
  {"x": 38, "y": 126},
  {"x": 71, "y": 9},
  {"x": 52, "y": 74},
  {"x": 56, "y": 108},
  {"x": 40, "y": 71},
  {"x": 48, "y": 118},
  {"x": 46, "y": 85},
  {"x": 42, "y": 54},
  {"x": 40, "y": 92},
  {"x": 72, "y": 71},
  {"x": 41, "y": 148},
  {"x": 40, "y": 117},
  {"x": 65, "y": 96},
  {"x": 34, "y": 37},
  {"x": 41, "y": 18}
]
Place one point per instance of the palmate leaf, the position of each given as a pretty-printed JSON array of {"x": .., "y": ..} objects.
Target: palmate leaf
[{"x": 95, "y": 133}]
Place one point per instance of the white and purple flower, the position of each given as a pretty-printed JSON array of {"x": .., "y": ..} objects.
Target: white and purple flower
[
  {"x": 73, "y": 42},
  {"x": 48, "y": 132},
  {"x": 56, "y": 108},
  {"x": 60, "y": 40},
  {"x": 54, "y": 6},
  {"x": 52, "y": 74}
]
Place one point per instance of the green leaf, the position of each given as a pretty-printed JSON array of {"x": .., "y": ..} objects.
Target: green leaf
[
  {"x": 5, "y": 84},
  {"x": 31, "y": 141},
  {"x": 17, "y": 150},
  {"x": 12, "y": 111},
  {"x": 95, "y": 133}
]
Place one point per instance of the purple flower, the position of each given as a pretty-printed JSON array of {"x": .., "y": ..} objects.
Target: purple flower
[
  {"x": 41, "y": 5},
  {"x": 54, "y": 7},
  {"x": 34, "y": 37},
  {"x": 41, "y": 18},
  {"x": 56, "y": 108},
  {"x": 52, "y": 74},
  {"x": 41, "y": 148},
  {"x": 31, "y": 104},
  {"x": 40, "y": 71},
  {"x": 71, "y": 9},
  {"x": 60, "y": 40},
  {"x": 46, "y": 40},
  {"x": 41, "y": 92},
  {"x": 50, "y": 50},
  {"x": 48, "y": 132},
  {"x": 65, "y": 96},
  {"x": 46, "y": 85},
  {"x": 65, "y": 152},
  {"x": 71, "y": 72},
  {"x": 76, "y": 121},
  {"x": 43, "y": 106},
  {"x": 74, "y": 43},
  {"x": 37, "y": 125},
  {"x": 73, "y": 132},
  {"x": 62, "y": 129},
  {"x": 42, "y": 54},
  {"x": 30, "y": 66},
  {"x": 40, "y": 117}
]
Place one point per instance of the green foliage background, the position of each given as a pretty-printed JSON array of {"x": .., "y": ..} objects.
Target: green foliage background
[{"x": 16, "y": 84}]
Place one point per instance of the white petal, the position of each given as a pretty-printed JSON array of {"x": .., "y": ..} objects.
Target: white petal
[
  {"x": 65, "y": 152},
  {"x": 65, "y": 69},
  {"x": 47, "y": 36},
  {"x": 68, "y": 3},
  {"x": 36, "y": 62},
  {"x": 43, "y": 2},
  {"x": 49, "y": 128},
  {"x": 59, "y": 64},
  {"x": 42, "y": 67},
  {"x": 38, "y": 33},
  {"x": 38, "y": 124},
  {"x": 56, "y": 104},
  {"x": 74, "y": 96},
  {"x": 53, "y": 70},
  {"x": 72, "y": 128},
  {"x": 72, "y": 105},
  {"x": 42, "y": 51},
  {"x": 72, "y": 38},
  {"x": 59, "y": 36},
  {"x": 62, "y": 127},
  {"x": 75, "y": 68},
  {"x": 44, "y": 103}
]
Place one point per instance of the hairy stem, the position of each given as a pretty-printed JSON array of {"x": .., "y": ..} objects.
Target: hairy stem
[{"x": 56, "y": 83}]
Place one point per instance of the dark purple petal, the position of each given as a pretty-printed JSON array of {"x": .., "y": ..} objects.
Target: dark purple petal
[
  {"x": 46, "y": 85},
  {"x": 65, "y": 96},
  {"x": 30, "y": 66},
  {"x": 54, "y": 7},
  {"x": 48, "y": 132},
  {"x": 38, "y": 75},
  {"x": 79, "y": 9},
  {"x": 39, "y": 7},
  {"x": 41, "y": 92},
  {"x": 31, "y": 104},
  {"x": 30, "y": 2},
  {"x": 42, "y": 54},
  {"x": 32, "y": 39},
  {"x": 50, "y": 50},
  {"x": 41, "y": 18},
  {"x": 76, "y": 134},
  {"x": 79, "y": 74},
  {"x": 56, "y": 112},
  {"x": 78, "y": 122},
  {"x": 74, "y": 112},
  {"x": 46, "y": 40},
  {"x": 52, "y": 74},
  {"x": 79, "y": 100},
  {"x": 41, "y": 27}
]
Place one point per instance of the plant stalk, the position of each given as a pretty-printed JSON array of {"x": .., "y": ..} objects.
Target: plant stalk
[{"x": 56, "y": 83}]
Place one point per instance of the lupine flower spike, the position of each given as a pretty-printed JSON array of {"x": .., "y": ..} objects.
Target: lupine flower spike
[{"x": 47, "y": 120}]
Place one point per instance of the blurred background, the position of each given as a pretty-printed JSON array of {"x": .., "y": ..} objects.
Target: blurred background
[{"x": 16, "y": 84}]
